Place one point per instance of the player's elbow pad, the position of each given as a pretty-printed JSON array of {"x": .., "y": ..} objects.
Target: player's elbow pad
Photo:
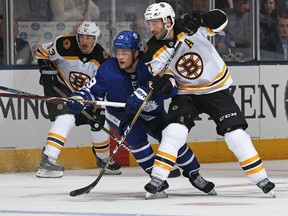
[{"x": 214, "y": 19}]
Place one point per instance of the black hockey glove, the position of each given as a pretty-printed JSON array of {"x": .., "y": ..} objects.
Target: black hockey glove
[
  {"x": 161, "y": 85},
  {"x": 191, "y": 22},
  {"x": 124, "y": 123},
  {"x": 98, "y": 120},
  {"x": 48, "y": 72}
]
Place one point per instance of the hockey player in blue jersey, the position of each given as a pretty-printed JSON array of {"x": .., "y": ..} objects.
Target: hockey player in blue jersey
[{"x": 124, "y": 79}]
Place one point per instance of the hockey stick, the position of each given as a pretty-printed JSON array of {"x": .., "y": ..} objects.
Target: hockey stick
[
  {"x": 11, "y": 90},
  {"x": 113, "y": 136},
  {"x": 87, "y": 115},
  {"x": 21, "y": 94},
  {"x": 88, "y": 188},
  {"x": 91, "y": 186}
]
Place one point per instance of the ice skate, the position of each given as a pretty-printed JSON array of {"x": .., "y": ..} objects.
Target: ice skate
[
  {"x": 113, "y": 167},
  {"x": 200, "y": 183},
  {"x": 48, "y": 168},
  {"x": 156, "y": 188},
  {"x": 267, "y": 187}
]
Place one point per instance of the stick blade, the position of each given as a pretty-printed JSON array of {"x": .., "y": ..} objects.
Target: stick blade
[{"x": 80, "y": 191}]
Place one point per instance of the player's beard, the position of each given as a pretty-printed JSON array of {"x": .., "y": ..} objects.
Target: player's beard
[{"x": 163, "y": 34}]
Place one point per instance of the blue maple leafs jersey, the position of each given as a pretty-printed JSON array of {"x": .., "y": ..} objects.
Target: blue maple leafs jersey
[{"x": 117, "y": 85}]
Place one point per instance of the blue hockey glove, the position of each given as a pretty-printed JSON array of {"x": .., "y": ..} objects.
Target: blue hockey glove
[
  {"x": 161, "y": 85},
  {"x": 74, "y": 104},
  {"x": 135, "y": 100}
]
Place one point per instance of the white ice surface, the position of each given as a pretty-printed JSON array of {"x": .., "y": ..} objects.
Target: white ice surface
[{"x": 24, "y": 194}]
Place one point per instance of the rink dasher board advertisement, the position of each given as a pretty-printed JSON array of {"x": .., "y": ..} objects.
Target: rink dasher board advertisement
[{"x": 260, "y": 91}]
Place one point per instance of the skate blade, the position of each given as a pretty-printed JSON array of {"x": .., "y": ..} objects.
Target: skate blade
[
  {"x": 212, "y": 192},
  {"x": 271, "y": 194},
  {"x": 159, "y": 195},
  {"x": 42, "y": 173}
]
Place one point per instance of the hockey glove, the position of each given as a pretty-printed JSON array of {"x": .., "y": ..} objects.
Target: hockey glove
[
  {"x": 135, "y": 100},
  {"x": 48, "y": 73},
  {"x": 124, "y": 123},
  {"x": 98, "y": 120},
  {"x": 74, "y": 104},
  {"x": 191, "y": 22},
  {"x": 161, "y": 85}
]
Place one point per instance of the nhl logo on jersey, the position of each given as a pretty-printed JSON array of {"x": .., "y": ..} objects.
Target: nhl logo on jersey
[
  {"x": 77, "y": 79},
  {"x": 190, "y": 65}
]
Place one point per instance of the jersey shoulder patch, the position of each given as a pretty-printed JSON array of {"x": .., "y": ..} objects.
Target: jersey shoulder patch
[
  {"x": 151, "y": 47},
  {"x": 100, "y": 53},
  {"x": 67, "y": 45}
]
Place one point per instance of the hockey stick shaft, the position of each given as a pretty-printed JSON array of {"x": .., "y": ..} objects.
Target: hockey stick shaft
[
  {"x": 88, "y": 188},
  {"x": 26, "y": 95},
  {"x": 15, "y": 91},
  {"x": 113, "y": 136}
]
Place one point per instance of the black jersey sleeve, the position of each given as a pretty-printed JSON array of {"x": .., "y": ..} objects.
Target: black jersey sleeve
[{"x": 214, "y": 19}]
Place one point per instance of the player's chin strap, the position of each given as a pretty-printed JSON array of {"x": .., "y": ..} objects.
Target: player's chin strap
[{"x": 88, "y": 188}]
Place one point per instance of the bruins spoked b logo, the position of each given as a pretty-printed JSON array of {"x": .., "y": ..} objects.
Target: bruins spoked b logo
[
  {"x": 77, "y": 79},
  {"x": 190, "y": 65}
]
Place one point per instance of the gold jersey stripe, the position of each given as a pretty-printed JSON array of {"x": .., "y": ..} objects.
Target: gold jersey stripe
[
  {"x": 100, "y": 143},
  {"x": 64, "y": 77},
  {"x": 57, "y": 136},
  {"x": 205, "y": 87},
  {"x": 43, "y": 51},
  {"x": 162, "y": 165},
  {"x": 158, "y": 53},
  {"x": 166, "y": 155},
  {"x": 250, "y": 160},
  {"x": 39, "y": 55},
  {"x": 53, "y": 144},
  {"x": 102, "y": 150},
  {"x": 219, "y": 76},
  {"x": 255, "y": 170}
]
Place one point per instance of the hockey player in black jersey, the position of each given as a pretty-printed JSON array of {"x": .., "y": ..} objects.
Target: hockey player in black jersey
[
  {"x": 67, "y": 64},
  {"x": 203, "y": 80}
]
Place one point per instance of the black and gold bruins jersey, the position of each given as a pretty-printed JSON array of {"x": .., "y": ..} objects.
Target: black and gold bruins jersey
[
  {"x": 75, "y": 68},
  {"x": 197, "y": 66}
]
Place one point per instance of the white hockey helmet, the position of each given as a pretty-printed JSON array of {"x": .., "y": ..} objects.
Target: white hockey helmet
[
  {"x": 161, "y": 10},
  {"x": 88, "y": 28}
]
